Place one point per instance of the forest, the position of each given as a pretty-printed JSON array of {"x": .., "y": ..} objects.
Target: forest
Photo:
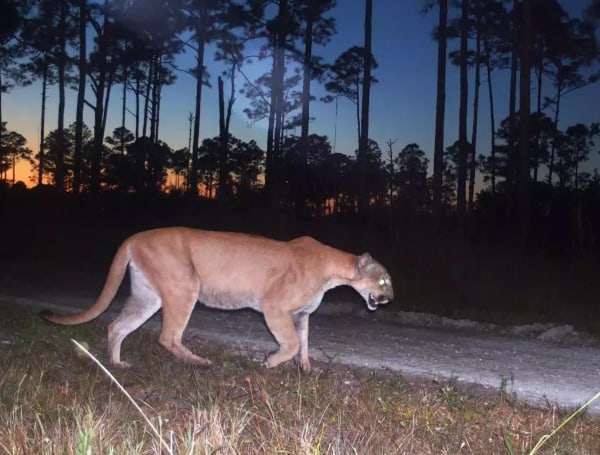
[{"x": 539, "y": 199}]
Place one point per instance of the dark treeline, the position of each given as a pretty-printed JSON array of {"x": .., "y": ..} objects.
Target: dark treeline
[{"x": 537, "y": 189}]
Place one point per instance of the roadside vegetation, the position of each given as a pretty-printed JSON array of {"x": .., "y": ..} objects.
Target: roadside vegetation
[
  {"x": 67, "y": 244},
  {"x": 54, "y": 399}
]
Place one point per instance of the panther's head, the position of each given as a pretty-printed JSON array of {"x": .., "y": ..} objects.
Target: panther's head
[{"x": 373, "y": 282}]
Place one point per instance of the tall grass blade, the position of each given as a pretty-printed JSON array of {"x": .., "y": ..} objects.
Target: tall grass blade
[
  {"x": 545, "y": 438},
  {"x": 129, "y": 397}
]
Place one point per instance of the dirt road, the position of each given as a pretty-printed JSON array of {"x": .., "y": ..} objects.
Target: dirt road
[{"x": 562, "y": 373}]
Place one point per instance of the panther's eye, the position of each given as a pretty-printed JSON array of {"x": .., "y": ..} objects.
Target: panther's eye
[{"x": 382, "y": 282}]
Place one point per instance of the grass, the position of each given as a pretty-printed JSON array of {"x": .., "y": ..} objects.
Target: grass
[{"x": 54, "y": 400}]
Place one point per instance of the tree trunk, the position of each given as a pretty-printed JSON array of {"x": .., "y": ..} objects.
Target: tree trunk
[
  {"x": 536, "y": 158},
  {"x": 62, "y": 62},
  {"x": 363, "y": 197},
  {"x": 390, "y": 143},
  {"x": 269, "y": 162},
  {"x": 223, "y": 146},
  {"x": 42, "y": 159},
  {"x": 147, "y": 95},
  {"x": 98, "y": 136},
  {"x": 201, "y": 38},
  {"x": 473, "y": 152},
  {"x": 553, "y": 146},
  {"x": 14, "y": 165},
  {"x": 540, "y": 79},
  {"x": 492, "y": 125},
  {"x": 124, "y": 103},
  {"x": 154, "y": 100},
  {"x": 137, "y": 106},
  {"x": 231, "y": 100},
  {"x": 188, "y": 169},
  {"x": 159, "y": 87},
  {"x": 277, "y": 102},
  {"x": 512, "y": 98},
  {"x": 438, "y": 154},
  {"x": 110, "y": 77},
  {"x": 306, "y": 77},
  {"x": 357, "y": 111},
  {"x": 99, "y": 108},
  {"x": 524, "y": 121},
  {"x": 78, "y": 152},
  {"x": 462, "y": 116}
]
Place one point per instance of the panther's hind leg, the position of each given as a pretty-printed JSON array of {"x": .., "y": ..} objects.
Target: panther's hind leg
[{"x": 143, "y": 302}]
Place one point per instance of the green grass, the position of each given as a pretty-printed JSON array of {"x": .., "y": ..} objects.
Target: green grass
[{"x": 55, "y": 400}]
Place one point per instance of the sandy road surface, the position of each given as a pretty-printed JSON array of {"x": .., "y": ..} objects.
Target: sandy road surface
[{"x": 536, "y": 371}]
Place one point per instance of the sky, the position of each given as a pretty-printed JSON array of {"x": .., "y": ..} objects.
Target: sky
[{"x": 402, "y": 103}]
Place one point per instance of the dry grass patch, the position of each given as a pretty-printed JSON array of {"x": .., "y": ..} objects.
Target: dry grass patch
[{"x": 52, "y": 400}]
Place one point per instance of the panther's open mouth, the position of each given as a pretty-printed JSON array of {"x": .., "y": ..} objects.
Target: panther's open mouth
[{"x": 374, "y": 301}]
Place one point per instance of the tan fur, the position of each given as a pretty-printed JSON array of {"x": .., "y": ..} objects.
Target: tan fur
[{"x": 174, "y": 267}]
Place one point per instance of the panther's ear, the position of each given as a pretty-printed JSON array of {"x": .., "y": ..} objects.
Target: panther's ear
[{"x": 364, "y": 262}]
